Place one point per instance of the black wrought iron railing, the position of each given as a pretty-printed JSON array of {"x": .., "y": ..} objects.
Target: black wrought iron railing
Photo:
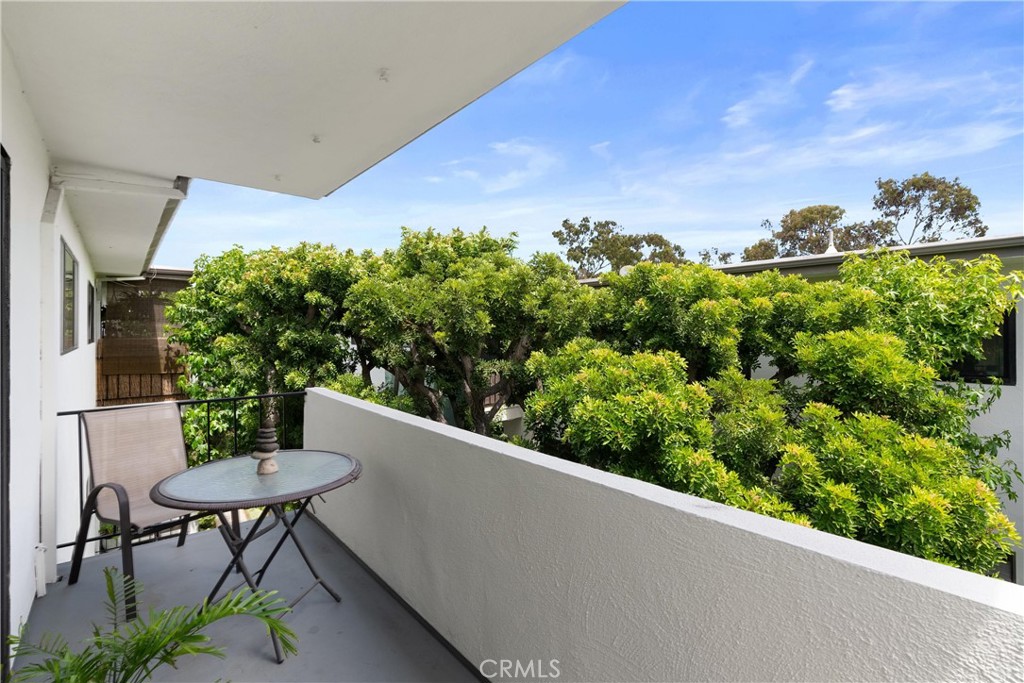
[{"x": 213, "y": 428}]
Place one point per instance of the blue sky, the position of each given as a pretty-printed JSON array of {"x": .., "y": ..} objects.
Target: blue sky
[{"x": 695, "y": 120}]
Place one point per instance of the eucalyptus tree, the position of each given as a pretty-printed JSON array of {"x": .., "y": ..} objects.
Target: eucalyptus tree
[
  {"x": 921, "y": 208},
  {"x": 592, "y": 246}
]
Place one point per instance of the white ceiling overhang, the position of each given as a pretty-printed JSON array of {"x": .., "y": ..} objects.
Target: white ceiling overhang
[{"x": 292, "y": 97}]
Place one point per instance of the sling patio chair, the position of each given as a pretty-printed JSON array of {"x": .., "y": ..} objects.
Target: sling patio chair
[{"x": 130, "y": 450}]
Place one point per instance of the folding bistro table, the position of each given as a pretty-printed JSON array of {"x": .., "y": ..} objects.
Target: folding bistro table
[{"x": 232, "y": 484}]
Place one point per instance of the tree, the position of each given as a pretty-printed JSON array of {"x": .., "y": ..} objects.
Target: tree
[
  {"x": 455, "y": 317},
  {"x": 765, "y": 249},
  {"x": 712, "y": 256},
  {"x": 268, "y": 321},
  {"x": 807, "y": 230},
  {"x": 265, "y": 321},
  {"x": 932, "y": 207},
  {"x": 867, "y": 445},
  {"x": 592, "y": 247},
  {"x": 811, "y": 229}
]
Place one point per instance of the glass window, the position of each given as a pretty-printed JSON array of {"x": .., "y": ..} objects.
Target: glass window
[
  {"x": 998, "y": 358},
  {"x": 91, "y": 304},
  {"x": 69, "y": 331}
]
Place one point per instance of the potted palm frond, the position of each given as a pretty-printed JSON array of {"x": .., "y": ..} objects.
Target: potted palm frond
[{"x": 129, "y": 651}]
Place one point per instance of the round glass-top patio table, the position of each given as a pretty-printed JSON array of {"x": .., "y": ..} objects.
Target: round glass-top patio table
[
  {"x": 232, "y": 483},
  {"x": 228, "y": 485}
]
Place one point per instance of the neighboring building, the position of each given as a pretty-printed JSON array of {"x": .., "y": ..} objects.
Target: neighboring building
[
  {"x": 134, "y": 361},
  {"x": 110, "y": 108}
]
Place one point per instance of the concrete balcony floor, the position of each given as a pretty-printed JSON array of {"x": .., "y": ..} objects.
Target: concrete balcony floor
[{"x": 369, "y": 636}]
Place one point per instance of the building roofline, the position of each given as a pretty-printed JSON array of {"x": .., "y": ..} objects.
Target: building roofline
[{"x": 966, "y": 248}]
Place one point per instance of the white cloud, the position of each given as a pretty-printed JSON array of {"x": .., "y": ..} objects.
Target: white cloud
[
  {"x": 801, "y": 71},
  {"x": 515, "y": 163},
  {"x": 682, "y": 110},
  {"x": 888, "y": 87},
  {"x": 776, "y": 90},
  {"x": 600, "y": 149},
  {"x": 879, "y": 146}
]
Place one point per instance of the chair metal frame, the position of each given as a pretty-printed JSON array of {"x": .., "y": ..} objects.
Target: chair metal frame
[{"x": 129, "y": 532}]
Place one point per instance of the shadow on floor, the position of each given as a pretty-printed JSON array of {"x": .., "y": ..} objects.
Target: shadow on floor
[{"x": 368, "y": 637}]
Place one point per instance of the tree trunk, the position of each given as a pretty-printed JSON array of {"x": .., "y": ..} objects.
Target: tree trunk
[{"x": 419, "y": 388}]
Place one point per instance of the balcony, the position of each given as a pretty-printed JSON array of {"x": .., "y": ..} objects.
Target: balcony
[
  {"x": 370, "y": 636},
  {"x": 572, "y": 573}
]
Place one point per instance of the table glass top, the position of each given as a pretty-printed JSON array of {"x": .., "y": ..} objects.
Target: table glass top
[{"x": 233, "y": 483}]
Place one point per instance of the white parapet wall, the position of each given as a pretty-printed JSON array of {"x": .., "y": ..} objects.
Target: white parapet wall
[{"x": 574, "y": 574}]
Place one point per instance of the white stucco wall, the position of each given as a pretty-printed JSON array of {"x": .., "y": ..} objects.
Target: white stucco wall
[
  {"x": 41, "y": 379},
  {"x": 29, "y": 183},
  {"x": 1007, "y": 413},
  {"x": 511, "y": 554},
  {"x": 75, "y": 388}
]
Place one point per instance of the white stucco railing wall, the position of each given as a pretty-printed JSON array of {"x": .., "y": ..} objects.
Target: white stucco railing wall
[{"x": 515, "y": 555}]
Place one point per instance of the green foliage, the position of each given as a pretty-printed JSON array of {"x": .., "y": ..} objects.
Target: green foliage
[
  {"x": 854, "y": 434},
  {"x": 352, "y": 385},
  {"x": 637, "y": 415},
  {"x": 907, "y": 492},
  {"x": 868, "y": 444},
  {"x": 266, "y": 321},
  {"x": 718, "y": 321},
  {"x": 220, "y": 430},
  {"x": 933, "y": 208},
  {"x": 691, "y": 309},
  {"x": 750, "y": 425},
  {"x": 856, "y": 474},
  {"x": 261, "y": 322},
  {"x": 592, "y": 247},
  {"x": 933, "y": 205},
  {"x": 131, "y": 651},
  {"x": 615, "y": 411},
  {"x": 779, "y": 307},
  {"x": 942, "y": 310},
  {"x": 455, "y": 316},
  {"x": 812, "y": 229},
  {"x": 765, "y": 249},
  {"x": 860, "y": 370}
]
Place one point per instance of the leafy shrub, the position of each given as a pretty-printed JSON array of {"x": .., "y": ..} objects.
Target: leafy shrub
[
  {"x": 857, "y": 474},
  {"x": 860, "y": 370},
  {"x": 455, "y": 316},
  {"x": 616, "y": 411},
  {"x": 942, "y": 310},
  {"x": 853, "y": 434},
  {"x": 352, "y": 385},
  {"x": 690, "y": 308},
  {"x": 750, "y": 425},
  {"x": 901, "y": 490}
]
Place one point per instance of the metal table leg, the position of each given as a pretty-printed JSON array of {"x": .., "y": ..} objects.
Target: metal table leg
[
  {"x": 282, "y": 515},
  {"x": 237, "y": 544}
]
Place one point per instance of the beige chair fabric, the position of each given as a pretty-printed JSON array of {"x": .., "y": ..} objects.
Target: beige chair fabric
[{"x": 136, "y": 448}]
